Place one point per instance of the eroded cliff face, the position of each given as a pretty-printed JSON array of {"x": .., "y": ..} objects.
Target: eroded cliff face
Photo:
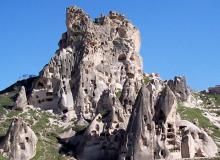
[
  {"x": 93, "y": 56},
  {"x": 96, "y": 82}
]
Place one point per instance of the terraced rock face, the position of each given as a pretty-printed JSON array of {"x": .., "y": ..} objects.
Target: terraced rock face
[{"x": 93, "y": 56}]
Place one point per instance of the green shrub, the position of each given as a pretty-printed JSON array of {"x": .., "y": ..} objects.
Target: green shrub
[
  {"x": 79, "y": 128},
  {"x": 2, "y": 158},
  {"x": 5, "y": 101},
  {"x": 118, "y": 94},
  {"x": 146, "y": 80}
]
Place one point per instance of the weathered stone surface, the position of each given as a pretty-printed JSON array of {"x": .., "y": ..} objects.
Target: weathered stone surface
[
  {"x": 20, "y": 141},
  {"x": 179, "y": 87},
  {"x": 165, "y": 120},
  {"x": 196, "y": 142},
  {"x": 102, "y": 138},
  {"x": 139, "y": 143},
  {"x": 96, "y": 81},
  {"x": 93, "y": 56},
  {"x": 21, "y": 100}
]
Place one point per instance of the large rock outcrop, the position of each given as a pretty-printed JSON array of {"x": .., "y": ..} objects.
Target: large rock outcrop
[
  {"x": 93, "y": 56},
  {"x": 20, "y": 141},
  {"x": 96, "y": 81}
]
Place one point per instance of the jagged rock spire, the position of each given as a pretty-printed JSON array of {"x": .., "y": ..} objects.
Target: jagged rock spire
[{"x": 140, "y": 132}]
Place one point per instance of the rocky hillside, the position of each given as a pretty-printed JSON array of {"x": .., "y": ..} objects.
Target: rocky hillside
[{"x": 93, "y": 101}]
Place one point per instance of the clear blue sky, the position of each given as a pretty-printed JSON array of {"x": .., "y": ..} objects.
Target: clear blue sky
[{"x": 179, "y": 37}]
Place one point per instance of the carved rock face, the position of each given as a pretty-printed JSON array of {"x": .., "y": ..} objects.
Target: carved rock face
[
  {"x": 94, "y": 56},
  {"x": 139, "y": 143},
  {"x": 20, "y": 141},
  {"x": 96, "y": 78}
]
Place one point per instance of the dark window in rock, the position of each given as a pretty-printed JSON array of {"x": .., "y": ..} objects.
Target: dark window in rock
[
  {"x": 201, "y": 136},
  {"x": 132, "y": 58},
  {"x": 39, "y": 101},
  {"x": 49, "y": 94},
  {"x": 51, "y": 70},
  {"x": 163, "y": 153},
  {"x": 149, "y": 127},
  {"x": 65, "y": 111},
  {"x": 40, "y": 85},
  {"x": 128, "y": 158},
  {"x": 170, "y": 125},
  {"x": 27, "y": 139},
  {"x": 86, "y": 71},
  {"x": 122, "y": 57},
  {"x": 49, "y": 99},
  {"x": 97, "y": 127},
  {"x": 125, "y": 101},
  {"x": 22, "y": 146},
  {"x": 86, "y": 91},
  {"x": 37, "y": 96},
  {"x": 182, "y": 127}
]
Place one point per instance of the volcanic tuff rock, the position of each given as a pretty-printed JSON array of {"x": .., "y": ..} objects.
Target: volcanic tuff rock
[
  {"x": 179, "y": 87},
  {"x": 96, "y": 82},
  {"x": 21, "y": 100},
  {"x": 195, "y": 142},
  {"x": 20, "y": 141},
  {"x": 93, "y": 56}
]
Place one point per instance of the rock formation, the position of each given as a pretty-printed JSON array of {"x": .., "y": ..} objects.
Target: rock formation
[
  {"x": 139, "y": 142},
  {"x": 21, "y": 100},
  {"x": 20, "y": 141},
  {"x": 195, "y": 142},
  {"x": 179, "y": 87},
  {"x": 93, "y": 56},
  {"x": 96, "y": 81}
]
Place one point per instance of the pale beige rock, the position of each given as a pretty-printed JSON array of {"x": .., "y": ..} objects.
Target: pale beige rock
[
  {"x": 20, "y": 141},
  {"x": 21, "y": 100}
]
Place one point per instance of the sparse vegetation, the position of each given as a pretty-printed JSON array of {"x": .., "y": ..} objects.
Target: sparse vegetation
[
  {"x": 146, "y": 80},
  {"x": 208, "y": 99},
  {"x": 79, "y": 128},
  {"x": 193, "y": 113},
  {"x": 118, "y": 93},
  {"x": 47, "y": 146},
  {"x": 5, "y": 101},
  {"x": 2, "y": 158}
]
